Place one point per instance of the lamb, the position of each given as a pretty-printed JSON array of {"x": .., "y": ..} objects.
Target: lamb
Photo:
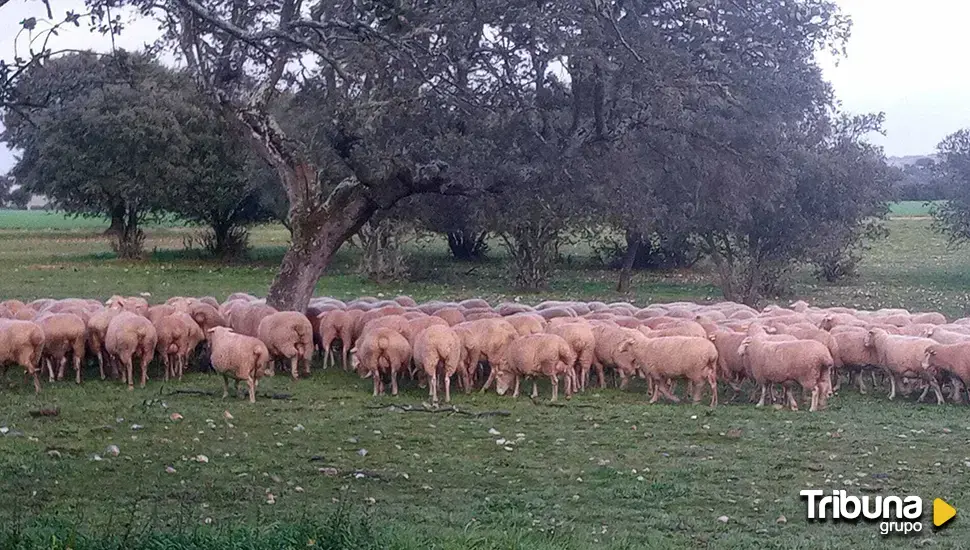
[
  {"x": 580, "y": 338},
  {"x": 288, "y": 335},
  {"x": 668, "y": 358},
  {"x": 532, "y": 356},
  {"x": 806, "y": 362},
  {"x": 64, "y": 334},
  {"x": 130, "y": 335},
  {"x": 438, "y": 350},
  {"x": 22, "y": 342},
  {"x": 97, "y": 330},
  {"x": 902, "y": 357},
  {"x": 378, "y": 351},
  {"x": 240, "y": 357}
]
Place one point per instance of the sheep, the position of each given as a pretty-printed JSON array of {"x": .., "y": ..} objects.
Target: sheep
[
  {"x": 22, "y": 342},
  {"x": 531, "y": 356},
  {"x": 452, "y": 315},
  {"x": 288, "y": 335},
  {"x": 730, "y": 364},
  {"x": 806, "y": 362},
  {"x": 928, "y": 318},
  {"x": 415, "y": 326},
  {"x": 438, "y": 351},
  {"x": 64, "y": 334},
  {"x": 553, "y": 312},
  {"x": 953, "y": 359},
  {"x": 613, "y": 344},
  {"x": 527, "y": 323},
  {"x": 335, "y": 325},
  {"x": 406, "y": 301},
  {"x": 483, "y": 339},
  {"x": 177, "y": 336},
  {"x": 381, "y": 350},
  {"x": 854, "y": 354},
  {"x": 132, "y": 304},
  {"x": 667, "y": 358},
  {"x": 580, "y": 338},
  {"x": 130, "y": 335},
  {"x": 240, "y": 357},
  {"x": 156, "y": 313},
  {"x": 97, "y": 330},
  {"x": 689, "y": 328},
  {"x": 246, "y": 319},
  {"x": 944, "y": 336},
  {"x": 902, "y": 357}
]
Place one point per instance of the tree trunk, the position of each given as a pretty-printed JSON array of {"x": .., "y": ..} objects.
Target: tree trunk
[
  {"x": 117, "y": 226},
  {"x": 633, "y": 241}
]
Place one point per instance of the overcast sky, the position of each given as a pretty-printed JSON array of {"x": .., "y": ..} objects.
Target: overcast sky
[{"x": 904, "y": 58}]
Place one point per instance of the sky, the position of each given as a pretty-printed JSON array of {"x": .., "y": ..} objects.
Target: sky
[{"x": 902, "y": 60}]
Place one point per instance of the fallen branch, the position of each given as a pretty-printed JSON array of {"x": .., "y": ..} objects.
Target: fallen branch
[
  {"x": 211, "y": 393},
  {"x": 448, "y": 409}
]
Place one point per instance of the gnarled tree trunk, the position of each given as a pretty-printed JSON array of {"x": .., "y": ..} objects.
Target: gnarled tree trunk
[{"x": 633, "y": 242}]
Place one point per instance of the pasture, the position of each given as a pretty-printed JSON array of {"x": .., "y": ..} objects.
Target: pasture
[{"x": 603, "y": 470}]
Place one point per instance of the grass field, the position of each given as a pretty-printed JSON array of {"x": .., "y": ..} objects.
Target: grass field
[
  {"x": 605, "y": 470},
  {"x": 910, "y": 209}
]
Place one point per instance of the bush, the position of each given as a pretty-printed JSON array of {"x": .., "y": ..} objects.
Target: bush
[{"x": 232, "y": 244}]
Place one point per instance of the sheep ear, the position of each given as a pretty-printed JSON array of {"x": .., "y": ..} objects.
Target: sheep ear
[{"x": 932, "y": 352}]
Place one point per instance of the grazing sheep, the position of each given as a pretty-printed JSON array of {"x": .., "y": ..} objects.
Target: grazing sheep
[
  {"x": 239, "y": 357},
  {"x": 580, "y": 338},
  {"x": 382, "y": 350},
  {"x": 452, "y": 315},
  {"x": 245, "y": 319},
  {"x": 206, "y": 316},
  {"x": 437, "y": 350},
  {"x": 902, "y": 357},
  {"x": 288, "y": 335},
  {"x": 97, "y": 330},
  {"x": 485, "y": 339},
  {"x": 22, "y": 343},
  {"x": 613, "y": 350},
  {"x": 64, "y": 334},
  {"x": 415, "y": 326},
  {"x": 683, "y": 328},
  {"x": 130, "y": 335},
  {"x": 855, "y": 356},
  {"x": 730, "y": 364},
  {"x": 668, "y": 358},
  {"x": 944, "y": 336},
  {"x": 806, "y": 362},
  {"x": 177, "y": 336},
  {"x": 534, "y": 356},
  {"x": 156, "y": 313},
  {"x": 952, "y": 359}
]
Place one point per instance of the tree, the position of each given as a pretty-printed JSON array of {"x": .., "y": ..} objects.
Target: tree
[
  {"x": 123, "y": 137},
  {"x": 6, "y": 183},
  {"x": 951, "y": 216}
]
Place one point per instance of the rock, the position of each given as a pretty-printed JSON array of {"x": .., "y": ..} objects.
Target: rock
[
  {"x": 362, "y": 452},
  {"x": 298, "y": 489},
  {"x": 202, "y": 459},
  {"x": 270, "y": 498},
  {"x": 493, "y": 431},
  {"x": 175, "y": 417},
  {"x": 112, "y": 450},
  {"x": 4, "y": 430},
  {"x": 329, "y": 472},
  {"x": 53, "y": 453},
  {"x": 781, "y": 520},
  {"x": 227, "y": 415},
  {"x": 298, "y": 428},
  {"x": 169, "y": 470},
  {"x": 723, "y": 519},
  {"x": 137, "y": 427}
]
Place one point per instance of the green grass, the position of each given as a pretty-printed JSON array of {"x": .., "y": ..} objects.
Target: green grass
[
  {"x": 441, "y": 480},
  {"x": 910, "y": 209}
]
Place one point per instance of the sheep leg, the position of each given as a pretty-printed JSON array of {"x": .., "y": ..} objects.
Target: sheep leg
[
  {"x": 815, "y": 397},
  {"x": 489, "y": 381},
  {"x": 377, "y": 381},
  {"x": 252, "y": 389},
  {"x": 394, "y": 382},
  {"x": 790, "y": 397},
  {"x": 49, "y": 365},
  {"x": 144, "y": 370},
  {"x": 712, "y": 381},
  {"x": 61, "y": 367},
  {"x": 926, "y": 390},
  {"x": 535, "y": 389},
  {"x": 167, "y": 364},
  {"x": 892, "y": 386},
  {"x": 695, "y": 389},
  {"x": 655, "y": 393},
  {"x": 447, "y": 388},
  {"x": 764, "y": 393},
  {"x": 600, "y": 374},
  {"x": 517, "y": 383},
  {"x": 935, "y": 384},
  {"x": 225, "y": 386},
  {"x": 665, "y": 389},
  {"x": 129, "y": 373},
  {"x": 433, "y": 389},
  {"x": 36, "y": 382},
  {"x": 555, "y": 386},
  {"x": 101, "y": 364},
  {"x": 861, "y": 381},
  {"x": 294, "y": 366},
  {"x": 77, "y": 369}
]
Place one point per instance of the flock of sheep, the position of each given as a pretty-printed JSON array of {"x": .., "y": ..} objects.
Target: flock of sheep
[{"x": 243, "y": 339}]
